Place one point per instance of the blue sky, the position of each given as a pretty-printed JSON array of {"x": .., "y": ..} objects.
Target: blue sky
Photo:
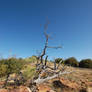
[{"x": 70, "y": 26}]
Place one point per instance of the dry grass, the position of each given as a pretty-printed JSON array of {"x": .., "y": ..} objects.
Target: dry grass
[{"x": 78, "y": 81}]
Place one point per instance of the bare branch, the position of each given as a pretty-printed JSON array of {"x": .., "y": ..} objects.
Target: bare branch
[
  {"x": 46, "y": 35},
  {"x": 55, "y": 47},
  {"x": 46, "y": 60},
  {"x": 38, "y": 81},
  {"x": 59, "y": 64},
  {"x": 45, "y": 47},
  {"x": 54, "y": 65}
]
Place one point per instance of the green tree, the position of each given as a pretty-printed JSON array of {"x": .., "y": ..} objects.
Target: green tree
[
  {"x": 86, "y": 63},
  {"x": 71, "y": 61}
]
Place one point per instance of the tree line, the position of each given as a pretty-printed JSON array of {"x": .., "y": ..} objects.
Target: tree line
[{"x": 72, "y": 61}]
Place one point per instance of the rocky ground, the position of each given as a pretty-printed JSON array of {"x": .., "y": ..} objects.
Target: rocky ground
[{"x": 78, "y": 81}]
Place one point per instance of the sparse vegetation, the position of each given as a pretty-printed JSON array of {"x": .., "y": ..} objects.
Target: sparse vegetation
[{"x": 28, "y": 69}]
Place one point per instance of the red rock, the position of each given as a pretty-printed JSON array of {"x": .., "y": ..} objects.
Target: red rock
[
  {"x": 44, "y": 88},
  {"x": 3, "y": 90}
]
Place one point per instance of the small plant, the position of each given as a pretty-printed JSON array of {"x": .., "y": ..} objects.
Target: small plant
[{"x": 28, "y": 72}]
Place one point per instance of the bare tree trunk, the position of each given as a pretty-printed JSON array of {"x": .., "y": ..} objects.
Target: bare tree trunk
[
  {"x": 46, "y": 60},
  {"x": 42, "y": 59},
  {"x": 38, "y": 81},
  {"x": 59, "y": 64},
  {"x": 54, "y": 65},
  {"x": 44, "y": 50}
]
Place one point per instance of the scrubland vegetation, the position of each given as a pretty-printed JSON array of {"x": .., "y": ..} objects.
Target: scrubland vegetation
[{"x": 25, "y": 69}]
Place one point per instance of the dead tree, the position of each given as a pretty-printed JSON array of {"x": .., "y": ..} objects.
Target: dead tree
[
  {"x": 44, "y": 51},
  {"x": 45, "y": 48},
  {"x": 46, "y": 60},
  {"x": 45, "y": 70}
]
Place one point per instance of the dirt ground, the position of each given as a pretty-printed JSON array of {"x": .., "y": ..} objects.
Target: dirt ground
[{"x": 80, "y": 80}]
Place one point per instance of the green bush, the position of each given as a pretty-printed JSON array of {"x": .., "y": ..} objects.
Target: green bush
[
  {"x": 3, "y": 70},
  {"x": 31, "y": 59},
  {"x": 72, "y": 62},
  {"x": 9, "y": 66},
  {"x": 86, "y": 63},
  {"x": 28, "y": 72}
]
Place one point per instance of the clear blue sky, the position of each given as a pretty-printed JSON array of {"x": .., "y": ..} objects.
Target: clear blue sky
[{"x": 70, "y": 26}]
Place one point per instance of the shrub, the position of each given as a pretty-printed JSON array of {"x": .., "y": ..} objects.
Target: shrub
[
  {"x": 28, "y": 72},
  {"x": 3, "y": 70},
  {"x": 9, "y": 66},
  {"x": 86, "y": 63},
  {"x": 31, "y": 59},
  {"x": 72, "y": 62}
]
